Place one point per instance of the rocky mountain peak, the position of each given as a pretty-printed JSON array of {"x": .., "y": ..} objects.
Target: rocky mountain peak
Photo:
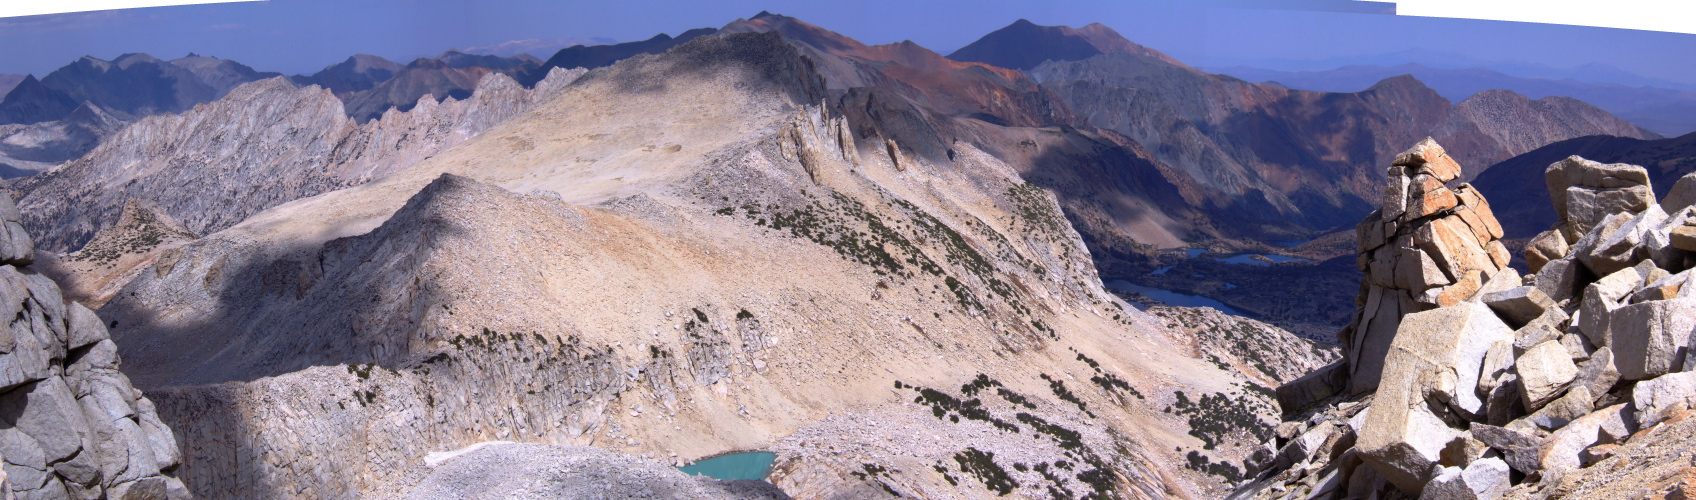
[
  {"x": 125, "y": 61},
  {"x": 1024, "y": 45},
  {"x": 31, "y": 102},
  {"x": 1401, "y": 84}
]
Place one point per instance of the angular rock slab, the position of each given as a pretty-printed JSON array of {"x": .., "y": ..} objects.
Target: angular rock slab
[
  {"x": 1484, "y": 479},
  {"x": 1543, "y": 248},
  {"x": 1300, "y": 394},
  {"x": 1519, "y": 305},
  {"x": 1436, "y": 355},
  {"x": 1682, "y": 195},
  {"x": 1520, "y": 449},
  {"x": 1544, "y": 370},
  {"x": 1585, "y": 191},
  {"x": 1650, "y": 339}
]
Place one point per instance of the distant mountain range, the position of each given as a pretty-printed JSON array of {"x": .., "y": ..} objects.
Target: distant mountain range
[
  {"x": 1201, "y": 155},
  {"x": 1666, "y": 111},
  {"x": 450, "y": 75},
  {"x": 1263, "y": 158},
  {"x": 1592, "y": 72},
  {"x": 535, "y": 47},
  {"x": 131, "y": 85},
  {"x": 359, "y": 72},
  {"x": 596, "y": 56}
]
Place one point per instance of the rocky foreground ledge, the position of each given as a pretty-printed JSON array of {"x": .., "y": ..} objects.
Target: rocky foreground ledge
[
  {"x": 1462, "y": 379},
  {"x": 71, "y": 426}
]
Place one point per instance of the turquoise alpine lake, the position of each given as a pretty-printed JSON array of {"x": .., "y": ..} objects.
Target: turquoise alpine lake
[{"x": 749, "y": 465}]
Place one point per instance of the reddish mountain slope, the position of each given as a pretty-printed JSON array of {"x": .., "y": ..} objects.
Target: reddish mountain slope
[{"x": 1310, "y": 157}]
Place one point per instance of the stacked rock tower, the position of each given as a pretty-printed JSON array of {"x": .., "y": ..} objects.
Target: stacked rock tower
[
  {"x": 1428, "y": 246},
  {"x": 1463, "y": 379}
]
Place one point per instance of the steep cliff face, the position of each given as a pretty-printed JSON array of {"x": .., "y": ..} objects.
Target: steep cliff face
[
  {"x": 265, "y": 144},
  {"x": 682, "y": 255},
  {"x": 73, "y": 425}
]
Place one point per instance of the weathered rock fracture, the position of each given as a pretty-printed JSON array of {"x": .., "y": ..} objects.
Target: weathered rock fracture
[{"x": 71, "y": 426}]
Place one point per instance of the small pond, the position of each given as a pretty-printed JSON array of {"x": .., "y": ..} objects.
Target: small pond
[
  {"x": 1172, "y": 298},
  {"x": 749, "y": 465},
  {"x": 1195, "y": 251},
  {"x": 1161, "y": 270}
]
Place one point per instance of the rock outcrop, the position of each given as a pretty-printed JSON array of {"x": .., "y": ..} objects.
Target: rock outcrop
[
  {"x": 71, "y": 426},
  {"x": 1549, "y": 379},
  {"x": 1428, "y": 246},
  {"x": 116, "y": 255},
  {"x": 264, "y": 144}
]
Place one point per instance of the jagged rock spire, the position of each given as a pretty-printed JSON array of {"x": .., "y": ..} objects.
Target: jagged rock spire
[{"x": 1427, "y": 246}]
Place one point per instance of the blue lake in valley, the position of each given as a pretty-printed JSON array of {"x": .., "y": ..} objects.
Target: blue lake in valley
[{"x": 1172, "y": 298}]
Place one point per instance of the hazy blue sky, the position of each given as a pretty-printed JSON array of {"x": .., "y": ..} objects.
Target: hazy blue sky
[{"x": 302, "y": 36}]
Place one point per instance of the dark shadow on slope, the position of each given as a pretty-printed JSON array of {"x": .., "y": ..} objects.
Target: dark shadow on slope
[{"x": 282, "y": 311}]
